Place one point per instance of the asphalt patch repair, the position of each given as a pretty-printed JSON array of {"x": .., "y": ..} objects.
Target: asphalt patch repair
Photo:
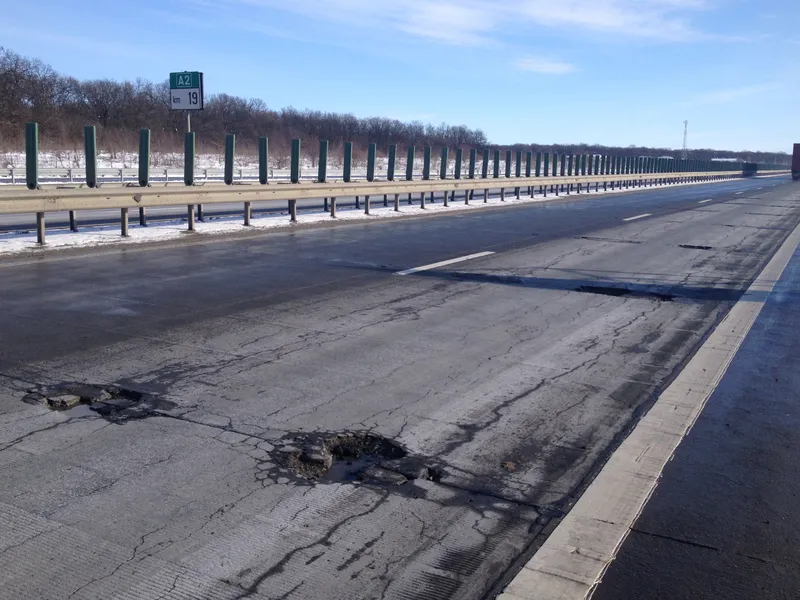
[{"x": 113, "y": 403}]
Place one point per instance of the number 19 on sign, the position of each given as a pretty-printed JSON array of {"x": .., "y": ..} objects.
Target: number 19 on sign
[{"x": 186, "y": 90}]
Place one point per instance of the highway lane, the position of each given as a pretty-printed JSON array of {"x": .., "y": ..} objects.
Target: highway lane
[
  {"x": 507, "y": 378},
  {"x": 60, "y": 220}
]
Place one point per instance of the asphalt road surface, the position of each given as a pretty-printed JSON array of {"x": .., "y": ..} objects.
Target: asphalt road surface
[{"x": 486, "y": 392}]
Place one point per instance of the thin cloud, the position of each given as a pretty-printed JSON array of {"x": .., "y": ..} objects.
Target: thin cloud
[
  {"x": 545, "y": 66},
  {"x": 726, "y": 96},
  {"x": 481, "y": 22}
]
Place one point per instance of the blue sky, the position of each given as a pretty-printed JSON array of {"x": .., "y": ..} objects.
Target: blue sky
[{"x": 616, "y": 72}]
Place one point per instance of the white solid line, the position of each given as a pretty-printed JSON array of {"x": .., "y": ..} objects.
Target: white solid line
[
  {"x": 571, "y": 562},
  {"x": 443, "y": 263},
  {"x": 704, "y": 201},
  {"x": 638, "y": 217}
]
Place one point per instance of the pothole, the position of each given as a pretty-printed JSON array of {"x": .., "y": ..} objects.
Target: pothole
[
  {"x": 355, "y": 456},
  {"x": 624, "y": 291},
  {"x": 113, "y": 403},
  {"x": 694, "y": 247}
]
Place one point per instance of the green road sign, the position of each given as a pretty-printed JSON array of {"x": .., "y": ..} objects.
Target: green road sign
[{"x": 186, "y": 90}]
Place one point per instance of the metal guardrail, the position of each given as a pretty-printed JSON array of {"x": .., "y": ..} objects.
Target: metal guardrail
[{"x": 41, "y": 201}]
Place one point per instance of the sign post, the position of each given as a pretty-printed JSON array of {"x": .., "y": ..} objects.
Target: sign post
[{"x": 186, "y": 93}]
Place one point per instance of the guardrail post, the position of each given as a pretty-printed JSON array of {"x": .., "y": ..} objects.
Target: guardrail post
[
  {"x": 124, "y": 222},
  {"x": 322, "y": 164},
  {"x": 144, "y": 170},
  {"x": 348, "y": 162},
  {"x": 263, "y": 160},
  {"x": 497, "y": 173},
  {"x": 371, "y": 153},
  {"x": 529, "y": 169},
  {"x": 90, "y": 154},
  {"x": 485, "y": 173},
  {"x": 392, "y": 159},
  {"x": 426, "y": 170},
  {"x": 295, "y": 165},
  {"x": 612, "y": 169},
  {"x": 597, "y": 171},
  {"x": 294, "y": 175},
  {"x": 457, "y": 174},
  {"x": 410, "y": 168},
  {"x": 518, "y": 171},
  {"x": 144, "y": 157},
  {"x": 322, "y": 168},
  {"x": 188, "y": 158},
  {"x": 545, "y": 173},
  {"x": 443, "y": 173},
  {"x": 248, "y": 213},
  {"x": 40, "y": 229},
  {"x": 473, "y": 159},
  {"x": 230, "y": 148},
  {"x": 188, "y": 175}
]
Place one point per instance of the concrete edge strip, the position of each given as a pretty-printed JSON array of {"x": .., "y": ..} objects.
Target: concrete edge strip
[
  {"x": 573, "y": 559},
  {"x": 444, "y": 263}
]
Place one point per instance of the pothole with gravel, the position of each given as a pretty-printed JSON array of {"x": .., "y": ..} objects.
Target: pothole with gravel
[
  {"x": 113, "y": 403},
  {"x": 353, "y": 456}
]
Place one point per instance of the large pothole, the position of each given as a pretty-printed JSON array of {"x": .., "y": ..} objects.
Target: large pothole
[
  {"x": 113, "y": 403},
  {"x": 355, "y": 456}
]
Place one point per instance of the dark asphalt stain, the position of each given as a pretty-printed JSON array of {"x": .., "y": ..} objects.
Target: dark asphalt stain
[
  {"x": 624, "y": 291},
  {"x": 603, "y": 239},
  {"x": 694, "y": 247}
]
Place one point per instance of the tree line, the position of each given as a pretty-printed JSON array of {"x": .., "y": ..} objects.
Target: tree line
[{"x": 31, "y": 90}]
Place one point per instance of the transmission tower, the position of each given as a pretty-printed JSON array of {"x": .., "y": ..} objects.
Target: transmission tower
[{"x": 685, "y": 151}]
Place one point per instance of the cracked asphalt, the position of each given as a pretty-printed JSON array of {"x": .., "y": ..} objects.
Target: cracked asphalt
[{"x": 513, "y": 376}]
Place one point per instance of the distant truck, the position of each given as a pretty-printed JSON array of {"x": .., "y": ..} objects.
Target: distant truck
[
  {"x": 796, "y": 162},
  {"x": 749, "y": 169}
]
